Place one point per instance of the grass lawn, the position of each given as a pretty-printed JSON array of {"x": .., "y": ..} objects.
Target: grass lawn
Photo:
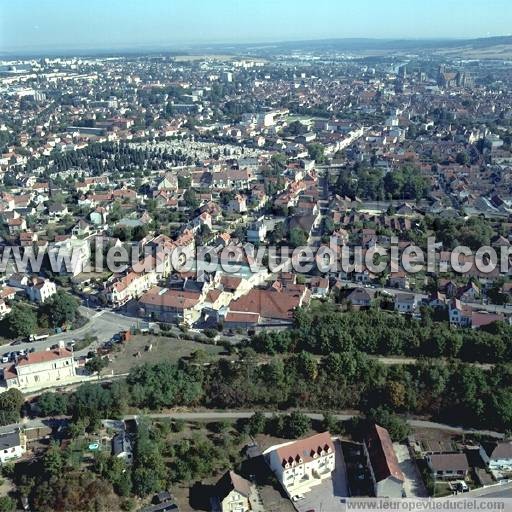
[{"x": 135, "y": 352}]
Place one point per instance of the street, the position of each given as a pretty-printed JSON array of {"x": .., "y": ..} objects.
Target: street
[{"x": 102, "y": 324}]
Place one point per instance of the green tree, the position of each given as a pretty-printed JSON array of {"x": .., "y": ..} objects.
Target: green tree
[
  {"x": 256, "y": 424},
  {"x": 11, "y": 402},
  {"x": 296, "y": 425},
  {"x": 62, "y": 308},
  {"x": 7, "y": 504},
  {"x": 298, "y": 237},
  {"x": 316, "y": 153},
  {"x": 20, "y": 321},
  {"x": 53, "y": 462}
]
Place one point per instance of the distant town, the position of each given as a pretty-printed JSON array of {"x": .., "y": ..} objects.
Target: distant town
[{"x": 148, "y": 363}]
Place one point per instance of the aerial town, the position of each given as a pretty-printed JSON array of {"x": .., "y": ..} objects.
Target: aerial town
[{"x": 166, "y": 342}]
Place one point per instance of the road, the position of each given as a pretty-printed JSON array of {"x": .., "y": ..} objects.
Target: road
[
  {"x": 102, "y": 324},
  {"x": 234, "y": 415},
  {"x": 495, "y": 491}
]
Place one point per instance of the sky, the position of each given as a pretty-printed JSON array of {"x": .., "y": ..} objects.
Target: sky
[{"x": 114, "y": 24}]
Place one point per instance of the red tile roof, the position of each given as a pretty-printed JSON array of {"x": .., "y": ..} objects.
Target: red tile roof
[
  {"x": 305, "y": 449},
  {"x": 382, "y": 455}
]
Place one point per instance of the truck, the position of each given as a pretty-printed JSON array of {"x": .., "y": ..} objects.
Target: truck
[{"x": 38, "y": 337}]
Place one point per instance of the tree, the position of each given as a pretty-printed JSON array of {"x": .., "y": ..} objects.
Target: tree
[
  {"x": 21, "y": 321},
  {"x": 298, "y": 237},
  {"x": 257, "y": 423},
  {"x": 62, "y": 308},
  {"x": 7, "y": 504},
  {"x": 316, "y": 153},
  {"x": 296, "y": 425},
  {"x": 11, "y": 402},
  {"x": 462, "y": 158},
  {"x": 53, "y": 462},
  {"x": 397, "y": 427},
  {"x": 52, "y": 404}
]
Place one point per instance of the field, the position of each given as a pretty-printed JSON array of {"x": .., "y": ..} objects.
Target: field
[{"x": 136, "y": 352}]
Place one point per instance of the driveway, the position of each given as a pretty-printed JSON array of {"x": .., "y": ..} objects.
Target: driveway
[{"x": 413, "y": 485}]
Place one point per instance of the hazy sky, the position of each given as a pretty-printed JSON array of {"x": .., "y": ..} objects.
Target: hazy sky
[{"x": 95, "y": 24}]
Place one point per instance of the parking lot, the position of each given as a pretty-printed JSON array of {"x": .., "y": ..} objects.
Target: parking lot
[
  {"x": 328, "y": 495},
  {"x": 413, "y": 485}
]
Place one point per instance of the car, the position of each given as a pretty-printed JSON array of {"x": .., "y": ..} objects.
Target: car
[
  {"x": 298, "y": 497},
  {"x": 6, "y": 357},
  {"x": 461, "y": 486}
]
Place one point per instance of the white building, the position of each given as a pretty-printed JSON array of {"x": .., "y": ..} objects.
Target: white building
[
  {"x": 12, "y": 445},
  {"x": 302, "y": 464},
  {"x": 70, "y": 257},
  {"x": 40, "y": 289},
  {"x": 41, "y": 369},
  {"x": 498, "y": 456}
]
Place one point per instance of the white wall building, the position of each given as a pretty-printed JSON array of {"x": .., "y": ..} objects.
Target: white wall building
[
  {"x": 12, "y": 445},
  {"x": 302, "y": 464},
  {"x": 40, "y": 290},
  {"x": 41, "y": 369}
]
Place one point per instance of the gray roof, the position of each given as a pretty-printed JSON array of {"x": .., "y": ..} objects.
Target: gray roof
[{"x": 9, "y": 440}]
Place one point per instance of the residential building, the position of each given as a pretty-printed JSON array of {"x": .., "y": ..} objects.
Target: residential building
[
  {"x": 448, "y": 466},
  {"x": 405, "y": 302},
  {"x": 387, "y": 477},
  {"x": 301, "y": 465},
  {"x": 13, "y": 444},
  {"x": 232, "y": 494},
  {"x": 41, "y": 369},
  {"x": 122, "y": 447},
  {"x": 359, "y": 297},
  {"x": 40, "y": 289},
  {"x": 498, "y": 456}
]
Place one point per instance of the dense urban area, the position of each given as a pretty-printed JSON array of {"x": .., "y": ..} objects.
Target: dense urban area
[{"x": 177, "y": 381}]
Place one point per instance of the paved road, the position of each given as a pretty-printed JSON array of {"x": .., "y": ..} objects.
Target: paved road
[
  {"x": 102, "y": 324},
  {"x": 234, "y": 415}
]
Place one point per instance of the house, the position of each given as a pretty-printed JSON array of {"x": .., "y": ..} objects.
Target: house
[
  {"x": 498, "y": 456},
  {"x": 123, "y": 288},
  {"x": 482, "y": 318},
  {"x": 40, "y": 369},
  {"x": 448, "y": 466},
  {"x": 302, "y": 464},
  {"x": 57, "y": 211},
  {"x": 387, "y": 477},
  {"x": 40, "y": 289},
  {"x": 399, "y": 279},
  {"x": 272, "y": 306},
  {"x": 171, "y": 305},
  {"x": 469, "y": 293},
  {"x": 18, "y": 280},
  {"x": 359, "y": 297},
  {"x": 4, "y": 308},
  {"x": 99, "y": 216},
  {"x": 405, "y": 302},
  {"x": 319, "y": 286},
  {"x": 257, "y": 231},
  {"x": 70, "y": 256},
  {"x": 459, "y": 314},
  {"x": 13, "y": 444},
  {"x": 122, "y": 447},
  {"x": 238, "y": 204},
  {"x": 81, "y": 229},
  {"x": 232, "y": 494}
]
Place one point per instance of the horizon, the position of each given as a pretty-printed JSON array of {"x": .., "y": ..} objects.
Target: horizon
[{"x": 55, "y": 26}]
